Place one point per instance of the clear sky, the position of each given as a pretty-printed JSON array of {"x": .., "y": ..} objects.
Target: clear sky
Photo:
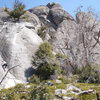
[{"x": 68, "y": 5}]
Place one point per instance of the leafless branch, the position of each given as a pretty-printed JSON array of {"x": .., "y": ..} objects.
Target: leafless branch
[{"x": 7, "y": 73}]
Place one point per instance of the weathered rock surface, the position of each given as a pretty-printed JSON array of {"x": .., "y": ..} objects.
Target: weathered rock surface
[
  {"x": 3, "y": 15},
  {"x": 41, "y": 11},
  {"x": 17, "y": 46},
  {"x": 79, "y": 39},
  {"x": 30, "y": 17},
  {"x": 58, "y": 14},
  {"x": 71, "y": 90}
]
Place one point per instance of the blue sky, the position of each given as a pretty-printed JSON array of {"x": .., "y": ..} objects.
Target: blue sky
[{"x": 68, "y": 5}]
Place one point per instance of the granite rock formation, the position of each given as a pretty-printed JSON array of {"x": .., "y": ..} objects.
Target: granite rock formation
[{"x": 78, "y": 38}]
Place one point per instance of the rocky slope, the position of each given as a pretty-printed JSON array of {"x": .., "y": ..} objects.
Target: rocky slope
[{"x": 77, "y": 38}]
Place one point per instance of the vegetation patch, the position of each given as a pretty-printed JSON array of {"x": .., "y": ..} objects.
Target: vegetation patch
[
  {"x": 45, "y": 62},
  {"x": 59, "y": 55},
  {"x": 18, "y": 10},
  {"x": 42, "y": 32}
]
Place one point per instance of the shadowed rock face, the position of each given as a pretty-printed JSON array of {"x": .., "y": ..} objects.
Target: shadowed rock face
[
  {"x": 77, "y": 38},
  {"x": 58, "y": 14},
  {"x": 52, "y": 12}
]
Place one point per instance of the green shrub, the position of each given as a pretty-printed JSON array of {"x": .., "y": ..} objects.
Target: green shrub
[
  {"x": 45, "y": 61},
  {"x": 89, "y": 75},
  {"x": 76, "y": 70},
  {"x": 18, "y": 10},
  {"x": 61, "y": 86},
  {"x": 19, "y": 87},
  {"x": 41, "y": 92},
  {"x": 87, "y": 97},
  {"x": 45, "y": 51},
  {"x": 46, "y": 69},
  {"x": 18, "y": 92},
  {"x": 34, "y": 79},
  {"x": 63, "y": 79},
  {"x": 42, "y": 32}
]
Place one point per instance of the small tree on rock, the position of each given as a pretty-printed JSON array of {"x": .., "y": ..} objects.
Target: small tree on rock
[
  {"x": 18, "y": 10},
  {"x": 45, "y": 61}
]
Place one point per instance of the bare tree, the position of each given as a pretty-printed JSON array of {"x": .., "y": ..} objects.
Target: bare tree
[
  {"x": 87, "y": 32},
  {"x": 7, "y": 73}
]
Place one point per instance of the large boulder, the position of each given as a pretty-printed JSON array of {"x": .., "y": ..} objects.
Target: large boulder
[
  {"x": 30, "y": 17},
  {"x": 18, "y": 43},
  {"x": 53, "y": 5},
  {"x": 40, "y": 11},
  {"x": 57, "y": 14}
]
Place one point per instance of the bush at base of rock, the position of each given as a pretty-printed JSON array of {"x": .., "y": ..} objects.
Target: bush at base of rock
[
  {"x": 46, "y": 69},
  {"x": 41, "y": 92},
  {"x": 34, "y": 79},
  {"x": 42, "y": 32},
  {"x": 89, "y": 75},
  {"x": 19, "y": 92},
  {"x": 45, "y": 51},
  {"x": 45, "y": 61}
]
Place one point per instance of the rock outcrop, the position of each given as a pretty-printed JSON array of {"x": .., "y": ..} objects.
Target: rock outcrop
[
  {"x": 3, "y": 15},
  {"x": 79, "y": 39},
  {"x": 18, "y": 44},
  {"x": 57, "y": 14}
]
